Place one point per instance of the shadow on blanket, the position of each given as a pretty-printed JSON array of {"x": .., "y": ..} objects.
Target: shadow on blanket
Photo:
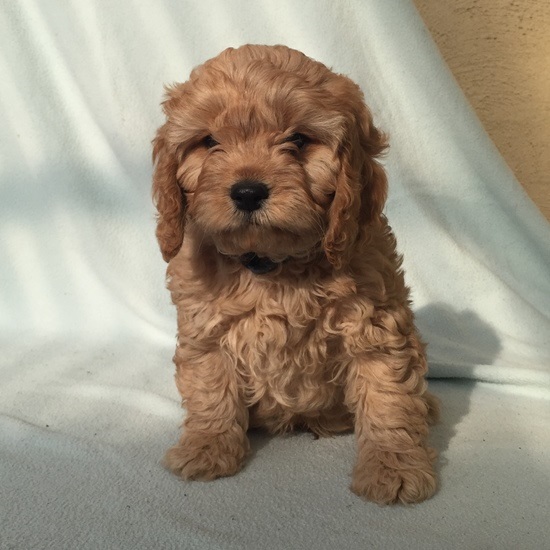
[{"x": 457, "y": 340}]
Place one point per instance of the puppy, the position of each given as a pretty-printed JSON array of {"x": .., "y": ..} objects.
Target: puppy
[{"x": 292, "y": 307}]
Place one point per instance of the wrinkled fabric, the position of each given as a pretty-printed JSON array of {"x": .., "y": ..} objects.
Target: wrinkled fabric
[{"x": 88, "y": 404}]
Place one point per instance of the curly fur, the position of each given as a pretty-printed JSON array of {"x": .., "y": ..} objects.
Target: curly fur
[{"x": 327, "y": 340}]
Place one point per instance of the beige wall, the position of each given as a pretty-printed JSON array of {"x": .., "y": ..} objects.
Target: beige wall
[{"x": 499, "y": 51}]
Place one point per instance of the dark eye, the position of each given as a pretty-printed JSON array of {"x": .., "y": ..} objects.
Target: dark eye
[
  {"x": 209, "y": 142},
  {"x": 300, "y": 140}
]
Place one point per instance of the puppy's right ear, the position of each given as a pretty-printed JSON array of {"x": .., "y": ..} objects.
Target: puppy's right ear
[{"x": 168, "y": 197}]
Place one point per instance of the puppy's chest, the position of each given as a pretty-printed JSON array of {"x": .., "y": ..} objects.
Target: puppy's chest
[
  {"x": 282, "y": 341},
  {"x": 267, "y": 343}
]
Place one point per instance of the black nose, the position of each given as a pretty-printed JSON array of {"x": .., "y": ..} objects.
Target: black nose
[{"x": 249, "y": 195}]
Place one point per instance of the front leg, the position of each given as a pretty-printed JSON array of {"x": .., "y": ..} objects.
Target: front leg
[
  {"x": 214, "y": 442},
  {"x": 387, "y": 392}
]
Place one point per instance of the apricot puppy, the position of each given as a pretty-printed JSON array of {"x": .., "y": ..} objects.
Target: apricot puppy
[{"x": 292, "y": 307}]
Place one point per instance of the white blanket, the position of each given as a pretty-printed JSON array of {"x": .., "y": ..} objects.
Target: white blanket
[{"x": 87, "y": 400}]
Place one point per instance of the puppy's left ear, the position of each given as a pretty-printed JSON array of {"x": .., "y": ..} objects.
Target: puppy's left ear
[
  {"x": 372, "y": 143},
  {"x": 168, "y": 198},
  {"x": 361, "y": 188}
]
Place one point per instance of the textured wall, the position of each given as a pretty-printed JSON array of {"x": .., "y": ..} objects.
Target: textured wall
[{"x": 499, "y": 51}]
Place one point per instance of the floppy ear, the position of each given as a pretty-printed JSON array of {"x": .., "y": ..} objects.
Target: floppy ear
[
  {"x": 343, "y": 214},
  {"x": 168, "y": 198},
  {"x": 360, "y": 190},
  {"x": 373, "y": 176}
]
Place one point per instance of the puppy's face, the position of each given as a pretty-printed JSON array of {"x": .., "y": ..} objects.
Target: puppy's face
[
  {"x": 258, "y": 194},
  {"x": 260, "y": 175},
  {"x": 265, "y": 151}
]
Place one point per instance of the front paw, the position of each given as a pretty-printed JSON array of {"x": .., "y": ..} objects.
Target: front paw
[
  {"x": 388, "y": 478},
  {"x": 205, "y": 457}
]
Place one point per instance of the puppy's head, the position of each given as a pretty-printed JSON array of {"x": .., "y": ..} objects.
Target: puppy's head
[{"x": 267, "y": 151}]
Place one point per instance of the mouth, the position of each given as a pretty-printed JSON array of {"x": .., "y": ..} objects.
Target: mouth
[
  {"x": 257, "y": 218},
  {"x": 261, "y": 264},
  {"x": 255, "y": 262},
  {"x": 258, "y": 265},
  {"x": 261, "y": 246}
]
